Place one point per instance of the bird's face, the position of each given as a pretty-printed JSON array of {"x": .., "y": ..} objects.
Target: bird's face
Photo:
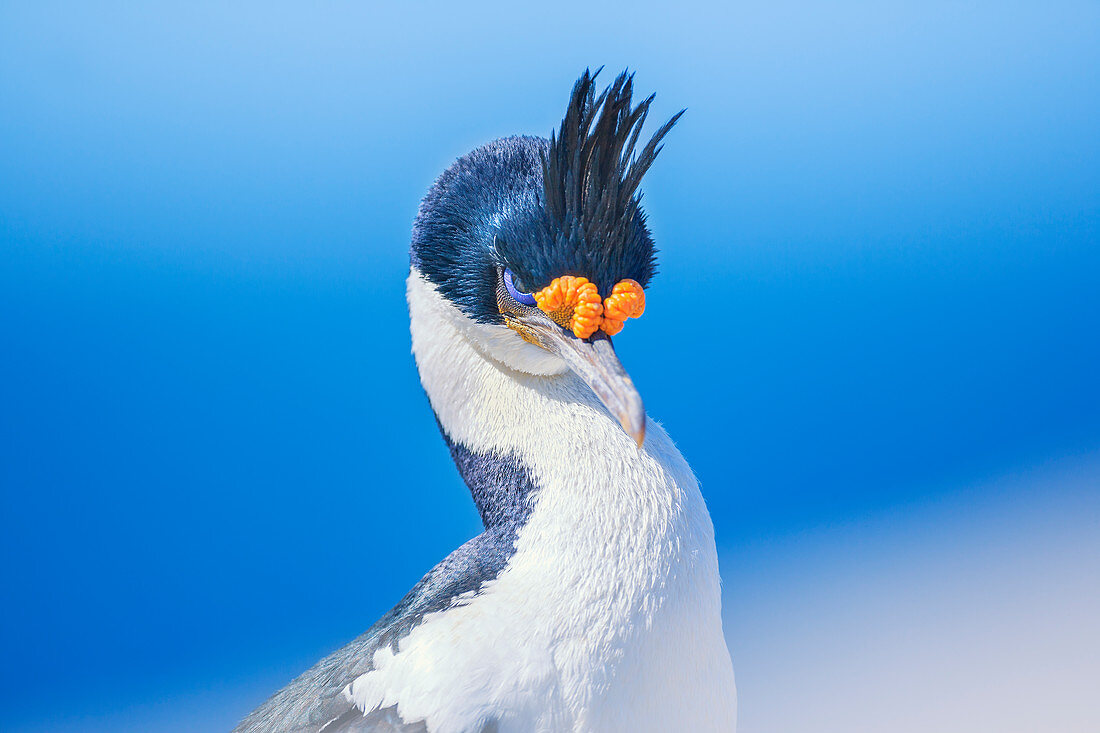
[
  {"x": 542, "y": 247},
  {"x": 534, "y": 306},
  {"x": 549, "y": 331}
]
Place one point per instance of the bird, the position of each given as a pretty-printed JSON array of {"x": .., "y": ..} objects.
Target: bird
[{"x": 591, "y": 601}]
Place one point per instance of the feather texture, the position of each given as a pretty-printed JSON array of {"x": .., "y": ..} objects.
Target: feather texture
[
  {"x": 591, "y": 177},
  {"x": 542, "y": 208}
]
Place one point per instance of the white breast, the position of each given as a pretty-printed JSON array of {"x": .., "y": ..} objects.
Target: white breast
[{"x": 608, "y": 616}]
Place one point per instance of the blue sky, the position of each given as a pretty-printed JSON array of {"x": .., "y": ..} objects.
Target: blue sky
[{"x": 877, "y": 303}]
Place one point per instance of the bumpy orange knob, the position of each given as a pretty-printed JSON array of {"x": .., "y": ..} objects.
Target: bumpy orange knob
[
  {"x": 574, "y": 303},
  {"x": 627, "y": 300}
]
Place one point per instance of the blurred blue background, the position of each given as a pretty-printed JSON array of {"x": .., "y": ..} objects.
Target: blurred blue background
[{"x": 874, "y": 336}]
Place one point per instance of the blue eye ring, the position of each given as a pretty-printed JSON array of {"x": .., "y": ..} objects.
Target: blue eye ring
[{"x": 524, "y": 298}]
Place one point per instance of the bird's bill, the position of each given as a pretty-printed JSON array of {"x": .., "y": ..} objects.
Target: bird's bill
[{"x": 594, "y": 361}]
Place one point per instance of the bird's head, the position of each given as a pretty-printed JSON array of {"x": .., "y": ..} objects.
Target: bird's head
[{"x": 542, "y": 246}]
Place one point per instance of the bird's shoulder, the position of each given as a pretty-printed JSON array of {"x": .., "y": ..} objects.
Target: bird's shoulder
[{"x": 315, "y": 701}]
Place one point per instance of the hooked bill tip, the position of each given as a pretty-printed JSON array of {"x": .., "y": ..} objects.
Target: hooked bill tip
[{"x": 634, "y": 428}]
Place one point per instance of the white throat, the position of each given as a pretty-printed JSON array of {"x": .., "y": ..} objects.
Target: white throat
[{"x": 608, "y": 615}]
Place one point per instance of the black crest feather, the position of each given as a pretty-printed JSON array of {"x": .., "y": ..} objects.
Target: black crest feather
[
  {"x": 591, "y": 175},
  {"x": 544, "y": 208}
]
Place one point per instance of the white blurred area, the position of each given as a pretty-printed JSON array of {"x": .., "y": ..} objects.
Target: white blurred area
[{"x": 978, "y": 613}]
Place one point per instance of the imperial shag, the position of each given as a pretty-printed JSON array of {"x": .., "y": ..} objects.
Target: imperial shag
[{"x": 591, "y": 600}]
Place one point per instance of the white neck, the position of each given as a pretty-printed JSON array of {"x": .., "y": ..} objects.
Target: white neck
[{"x": 608, "y": 615}]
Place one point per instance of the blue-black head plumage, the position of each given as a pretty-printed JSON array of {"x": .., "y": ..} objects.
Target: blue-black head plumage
[{"x": 542, "y": 208}]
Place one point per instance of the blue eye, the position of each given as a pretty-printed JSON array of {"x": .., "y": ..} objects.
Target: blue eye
[{"x": 519, "y": 297}]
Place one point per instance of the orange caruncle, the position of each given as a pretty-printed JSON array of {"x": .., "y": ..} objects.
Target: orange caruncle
[
  {"x": 627, "y": 300},
  {"x": 574, "y": 303}
]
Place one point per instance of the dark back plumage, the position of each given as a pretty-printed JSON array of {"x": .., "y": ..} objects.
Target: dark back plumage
[{"x": 569, "y": 205}]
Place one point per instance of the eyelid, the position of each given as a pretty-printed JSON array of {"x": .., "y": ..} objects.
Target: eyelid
[{"x": 517, "y": 295}]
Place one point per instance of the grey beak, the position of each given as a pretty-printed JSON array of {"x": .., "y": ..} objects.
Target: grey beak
[
  {"x": 595, "y": 362},
  {"x": 592, "y": 360}
]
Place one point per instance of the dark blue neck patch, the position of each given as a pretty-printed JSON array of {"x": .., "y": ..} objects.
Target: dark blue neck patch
[{"x": 501, "y": 484}]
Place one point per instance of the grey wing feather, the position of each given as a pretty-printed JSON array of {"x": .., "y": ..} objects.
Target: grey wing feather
[
  {"x": 315, "y": 701},
  {"x": 385, "y": 720}
]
